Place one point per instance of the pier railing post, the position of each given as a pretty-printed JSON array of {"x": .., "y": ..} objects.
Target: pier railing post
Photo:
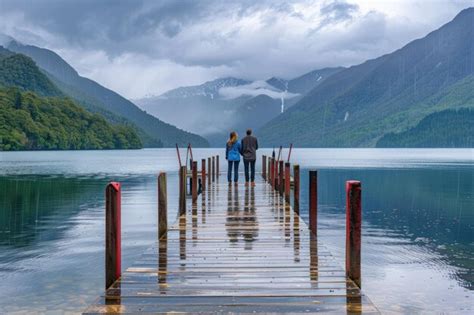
[
  {"x": 209, "y": 175},
  {"x": 162, "y": 205},
  {"x": 287, "y": 181},
  {"x": 203, "y": 174},
  {"x": 217, "y": 167},
  {"x": 194, "y": 188},
  {"x": 270, "y": 177},
  {"x": 313, "y": 201},
  {"x": 296, "y": 188},
  {"x": 182, "y": 189},
  {"x": 268, "y": 169},
  {"x": 213, "y": 169},
  {"x": 281, "y": 183},
  {"x": 353, "y": 230},
  {"x": 264, "y": 167},
  {"x": 113, "y": 251}
]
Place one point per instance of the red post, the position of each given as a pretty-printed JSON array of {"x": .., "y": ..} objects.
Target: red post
[
  {"x": 203, "y": 174},
  {"x": 162, "y": 205},
  {"x": 217, "y": 167},
  {"x": 353, "y": 230},
  {"x": 194, "y": 188},
  {"x": 281, "y": 183},
  {"x": 268, "y": 168},
  {"x": 113, "y": 249},
  {"x": 272, "y": 166},
  {"x": 264, "y": 167},
  {"x": 313, "y": 201},
  {"x": 209, "y": 171},
  {"x": 287, "y": 181},
  {"x": 296, "y": 188}
]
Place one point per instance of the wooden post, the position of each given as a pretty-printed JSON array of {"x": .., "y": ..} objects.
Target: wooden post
[
  {"x": 113, "y": 249},
  {"x": 162, "y": 206},
  {"x": 275, "y": 176},
  {"x": 213, "y": 169},
  {"x": 217, "y": 167},
  {"x": 203, "y": 174},
  {"x": 287, "y": 181},
  {"x": 281, "y": 183},
  {"x": 209, "y": 175},
  {"x": 296, "y": 188},
  {"x": 313, "y": 201},
  {"x": 194, "y": 188},
  {"x": 268, "y": 169},
  {"x": 353, "y": 230},
  {"x": 270, "y": 177},
  {"x": 182, "y": 189},
  {"x": 264, "y": 167}
]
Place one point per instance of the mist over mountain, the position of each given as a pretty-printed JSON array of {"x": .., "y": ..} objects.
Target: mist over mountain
[{"x": 393, "y": 93}]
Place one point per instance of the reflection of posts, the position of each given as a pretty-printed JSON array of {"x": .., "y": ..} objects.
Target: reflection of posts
[
  {"x": 296, "y": 237},
  {"x": 162, "y": 261},
  {"x": 162, "y": 206},
  {"x": 353, "y": 230},
  {"x": 113, "y": 254},
  {"x": 313, "y": 258},
  {"x": 182, "y": 237},
  {"x": 313, "y": 201},
  {"x": 296, "y": 188},
  {"x": 182, "y": 190}
]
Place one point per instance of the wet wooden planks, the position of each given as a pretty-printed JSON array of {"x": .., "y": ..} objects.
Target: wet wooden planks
[{"x": 237, "y": 250}]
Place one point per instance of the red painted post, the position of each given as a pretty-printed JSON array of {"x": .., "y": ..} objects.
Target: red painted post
[
  {"x": 281, "y": 183},
  {"x": 209, "y": 177},
  {"x": 264, "y": 167},
  {"x": 353, "y": 230},
  {"x": 182, "y": 189},
  {"x": 194, "y": 188},
  {"x": 272, "y": 165},
  {"x": 296, "y": 188},
  {"x": 203, "y": 174},
  {"x": 113, "y": 249},
  {"x": 213, "y": 169},
  {"x": 162, "y": 206},
  {"x": 313, "y": 201},
  {"x": 217, "y": 167},
  {"x": 287, "y": 181}
]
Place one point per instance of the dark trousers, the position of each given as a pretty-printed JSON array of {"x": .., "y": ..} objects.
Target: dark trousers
[
  {"x": 249, "y": 167},
  {"x": 235, "y": 165}
]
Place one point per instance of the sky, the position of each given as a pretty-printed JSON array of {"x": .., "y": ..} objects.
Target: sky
[{"x": 142, "y": 48}]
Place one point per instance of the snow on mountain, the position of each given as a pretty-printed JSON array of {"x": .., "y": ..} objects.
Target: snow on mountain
[{"x": 208, "y": 89}]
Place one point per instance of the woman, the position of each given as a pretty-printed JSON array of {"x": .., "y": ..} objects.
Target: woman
[{"x": 232, "y": 155}]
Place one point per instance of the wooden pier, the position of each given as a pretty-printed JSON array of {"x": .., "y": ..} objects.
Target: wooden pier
[{"x": 236, "y": 249}]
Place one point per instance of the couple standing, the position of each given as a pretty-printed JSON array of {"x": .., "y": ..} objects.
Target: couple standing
[{"x": 248, "y": 149}]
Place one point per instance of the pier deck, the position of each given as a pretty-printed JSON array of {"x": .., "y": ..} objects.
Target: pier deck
[{"x": 239, "y": 250}]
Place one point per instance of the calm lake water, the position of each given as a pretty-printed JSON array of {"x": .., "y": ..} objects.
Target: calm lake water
[{"x": 418, "y": 222}]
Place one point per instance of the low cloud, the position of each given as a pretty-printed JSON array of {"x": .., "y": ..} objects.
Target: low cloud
[{"x": 253, "y": 89}]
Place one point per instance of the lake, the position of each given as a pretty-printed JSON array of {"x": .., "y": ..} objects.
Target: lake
[{"x": 418, "y": 222}]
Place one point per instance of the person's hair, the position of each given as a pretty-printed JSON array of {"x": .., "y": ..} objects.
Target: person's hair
[
  {"x": 232, "y": 138},
  {"x": 249, "y": 132}
]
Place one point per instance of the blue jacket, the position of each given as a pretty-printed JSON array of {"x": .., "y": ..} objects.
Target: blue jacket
[{"x": 232, "y": 151}]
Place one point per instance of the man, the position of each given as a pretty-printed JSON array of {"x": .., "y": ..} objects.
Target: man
[{"x": 249, "y": 149}]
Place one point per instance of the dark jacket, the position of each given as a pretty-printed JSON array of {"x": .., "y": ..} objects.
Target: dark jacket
[{"x": 249, "y": 148}]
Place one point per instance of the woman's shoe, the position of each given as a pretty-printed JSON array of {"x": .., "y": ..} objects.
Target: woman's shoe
[
  {"x": 253, "y": 184},
  {"x": 246, "y": 184}
]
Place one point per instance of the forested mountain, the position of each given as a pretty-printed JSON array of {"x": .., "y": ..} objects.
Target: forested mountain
[
  {"x": 35, "y": 114},
  {"x": 97, "y": 98},
  {"x": 445, "y": 129},
  {"x": 355, "y": 107}
]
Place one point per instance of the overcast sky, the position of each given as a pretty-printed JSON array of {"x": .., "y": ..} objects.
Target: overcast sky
[{"x": 139, "y": 48}]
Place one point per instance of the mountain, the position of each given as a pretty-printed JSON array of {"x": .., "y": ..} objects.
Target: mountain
[
  {"x": 357, "y": 106},
  {"x": 97, "y": 98},
  {"x": 216, "y": 107},
  {"x": 445, "y": 129}
]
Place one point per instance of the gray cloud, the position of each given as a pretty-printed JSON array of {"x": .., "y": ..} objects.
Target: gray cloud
[{"x": 140, "y": 47}]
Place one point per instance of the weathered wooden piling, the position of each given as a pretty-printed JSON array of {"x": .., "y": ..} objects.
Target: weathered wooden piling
[
  {"x": 296, "y": 188},
  {"x": 353, "y": 230},
  {"x": 213, "y": 169},
  {"x": 268, "y": 169},
  {"x": 281, "y": 183},
  {"x": 162, "y": 206},
  {"x": 287, "y": 181},
  {"x": 313, "y": 201},
  {"x": 264, "y": 166},
  {"x": 217, "y": 167},
  {"x": 113, "y": 249},
  {"x": 203, "y": 174},
  {"x": 182, "y": 189},
  {"x": 209, "y": 173},
  {"x": 272, "y": 173},
  {"x": 194, "y": 188}
]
